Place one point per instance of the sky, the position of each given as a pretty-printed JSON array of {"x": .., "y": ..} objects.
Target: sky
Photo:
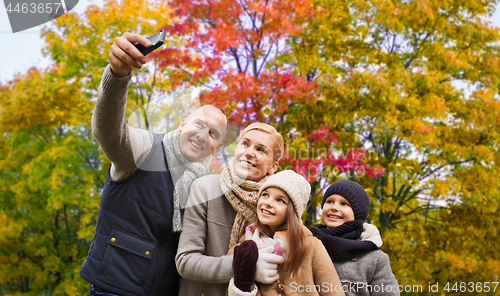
[{"x": 22, "y": 50}]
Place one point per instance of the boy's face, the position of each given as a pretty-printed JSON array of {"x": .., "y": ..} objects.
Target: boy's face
[
  {"x": 272, "y": 207},
  {"x": 336, "y": 211}
]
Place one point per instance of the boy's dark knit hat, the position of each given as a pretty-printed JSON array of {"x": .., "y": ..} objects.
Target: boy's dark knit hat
[{"x": 355, "y": 195}]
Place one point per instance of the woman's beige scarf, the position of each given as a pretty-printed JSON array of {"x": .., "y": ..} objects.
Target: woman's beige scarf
[{"x": 242, "y": 195}]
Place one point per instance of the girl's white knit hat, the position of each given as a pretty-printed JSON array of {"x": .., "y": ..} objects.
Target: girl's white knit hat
[{"x": 296, "y": 186}]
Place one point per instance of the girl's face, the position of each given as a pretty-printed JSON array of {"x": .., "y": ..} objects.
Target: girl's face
[
  {"x": 254, "y": 156},
  {"x": 336, "y": 211},
  {"x": 272, "y": 208}
]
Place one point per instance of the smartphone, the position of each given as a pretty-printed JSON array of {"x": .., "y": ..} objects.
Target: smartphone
[{"x": 156, "y": 41}]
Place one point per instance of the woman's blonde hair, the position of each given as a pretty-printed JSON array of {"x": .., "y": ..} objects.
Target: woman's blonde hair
[{"x": 279, "y": 144}]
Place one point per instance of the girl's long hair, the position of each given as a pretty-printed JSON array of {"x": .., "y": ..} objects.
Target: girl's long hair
[{"x": 296, "y": 238}]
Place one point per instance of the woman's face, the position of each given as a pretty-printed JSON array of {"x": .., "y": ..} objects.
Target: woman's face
[{"x": 254, "y": 156}]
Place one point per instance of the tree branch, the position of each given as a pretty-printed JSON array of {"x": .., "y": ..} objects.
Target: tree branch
[
  {"x": 67, "y": 225},
  {"x": 442, "y": 166}
]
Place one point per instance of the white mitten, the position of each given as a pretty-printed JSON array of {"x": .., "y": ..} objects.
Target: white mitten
[
  {"x": 371, "y": 233},
  {"x": 262, "y": 241},
  {"x": 267, "y": 266}
]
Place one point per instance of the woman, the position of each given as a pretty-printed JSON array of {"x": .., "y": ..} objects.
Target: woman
[{"x": 218, "y": 210}]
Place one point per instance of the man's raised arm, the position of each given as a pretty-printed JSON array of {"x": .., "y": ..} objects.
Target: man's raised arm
[{"x": 119, "y": 142}]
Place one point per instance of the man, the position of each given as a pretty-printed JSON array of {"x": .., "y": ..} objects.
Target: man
[{"x": 140, "y": 214}]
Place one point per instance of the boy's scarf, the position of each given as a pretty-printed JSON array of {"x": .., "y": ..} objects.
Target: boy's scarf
[
  {"x": 183, "y": 172},
  {"x": 342, "y": 242},
  {"x": 242, "y": 195}
]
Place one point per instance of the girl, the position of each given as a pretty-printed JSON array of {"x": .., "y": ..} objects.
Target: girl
[
  {"x": 306, "y": 270},
  {"x": 361, "y": 266}
]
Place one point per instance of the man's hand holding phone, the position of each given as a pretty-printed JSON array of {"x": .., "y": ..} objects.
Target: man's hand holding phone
[
  {"x": 124, "y": 57},
  {"x": 128, "y": 51}
]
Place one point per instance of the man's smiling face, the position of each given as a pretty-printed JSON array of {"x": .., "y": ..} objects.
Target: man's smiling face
[{"x": 202, "y": 133}]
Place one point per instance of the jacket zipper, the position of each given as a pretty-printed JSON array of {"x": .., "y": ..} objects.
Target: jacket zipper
[{"x": 159, "y": 264}]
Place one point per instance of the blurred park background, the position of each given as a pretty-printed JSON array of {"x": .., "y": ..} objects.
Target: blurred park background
[{"x": 400, "y": 96}]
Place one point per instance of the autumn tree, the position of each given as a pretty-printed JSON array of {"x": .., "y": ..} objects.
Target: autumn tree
[
  {"x": 239, "y": 53},
  {"x": 414, "y": 83},
  {"x": 50, "y": 183},
  {"x": 460, "y": 246}
]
